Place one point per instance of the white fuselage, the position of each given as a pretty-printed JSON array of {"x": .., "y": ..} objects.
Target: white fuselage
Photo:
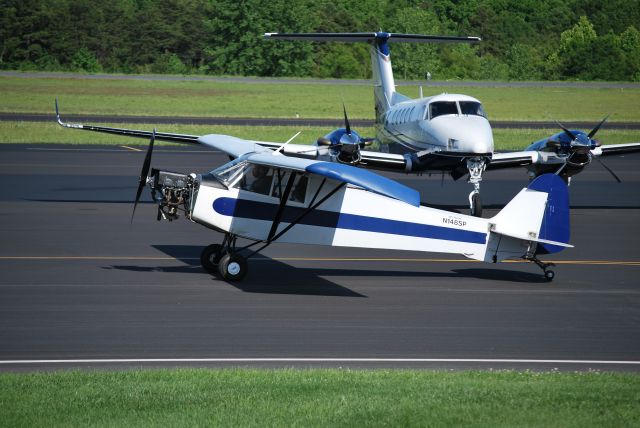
[
  {"x": 420, "y": 125},
  {"x": 352, "y": 217}
]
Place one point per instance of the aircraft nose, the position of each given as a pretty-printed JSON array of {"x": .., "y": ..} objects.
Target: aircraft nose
[{"x": 470, "y": 134}]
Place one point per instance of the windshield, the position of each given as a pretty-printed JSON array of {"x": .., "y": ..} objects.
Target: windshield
[
  {"x": 443, "y": 107},
  {"x": 229, "y": 172},
  {"x": 472, "y": 108}
]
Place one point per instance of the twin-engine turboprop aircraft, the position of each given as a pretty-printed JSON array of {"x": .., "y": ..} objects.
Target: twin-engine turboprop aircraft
[
  {"x": 449, "y": 132},
  {"x": 267, "y": 197},
  {"x": 443, "y": 133}
]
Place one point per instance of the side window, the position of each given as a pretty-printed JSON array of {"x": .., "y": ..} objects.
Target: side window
[
  {"x": 298, "y": 191},
  {"x": 280, "y": 182},
  {"x": 257, "y": 179}
]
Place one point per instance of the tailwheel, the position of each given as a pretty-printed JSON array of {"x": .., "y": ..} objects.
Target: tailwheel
[
  {"x": 232, "y": 267},
  {"x": 475, "y": 204},
  {"x": 549, "y": 274},
  {"x": 210, "y": 257}
]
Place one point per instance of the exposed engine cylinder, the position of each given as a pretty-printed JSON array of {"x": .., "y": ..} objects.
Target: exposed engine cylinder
[{"x": 176, "y": 191}]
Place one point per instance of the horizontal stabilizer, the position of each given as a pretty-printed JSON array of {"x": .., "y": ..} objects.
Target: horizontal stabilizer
[
  {"x": 532, "y": 239},
  {"x": 368, "y": 37}
]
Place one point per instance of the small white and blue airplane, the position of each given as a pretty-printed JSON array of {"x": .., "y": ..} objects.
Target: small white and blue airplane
[{"x": 266, "y": 197}]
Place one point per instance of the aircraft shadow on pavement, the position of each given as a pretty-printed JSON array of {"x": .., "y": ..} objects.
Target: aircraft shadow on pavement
[
  {"x": 270, "y": 276},
  {"x": 265, "y": 276}
]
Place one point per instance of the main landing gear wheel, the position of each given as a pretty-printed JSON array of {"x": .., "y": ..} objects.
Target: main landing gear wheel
[
  {"x": 232, "y": 267},
  {"x": 210, "y": 257},
  {"x": 475, "y": 204}
]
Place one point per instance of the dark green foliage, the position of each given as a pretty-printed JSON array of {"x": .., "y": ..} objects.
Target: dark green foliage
[{"x": 522, "y": 39}]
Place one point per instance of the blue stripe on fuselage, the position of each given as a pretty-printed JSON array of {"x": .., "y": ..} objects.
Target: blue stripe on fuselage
[{"x": 242, "y": 208}]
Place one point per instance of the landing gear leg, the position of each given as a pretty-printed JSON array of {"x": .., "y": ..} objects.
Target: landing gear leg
[
  {"x": 476, "y": 167},
  {"x": 475, "y": 203},
  {"x": 548, "y": 273}
]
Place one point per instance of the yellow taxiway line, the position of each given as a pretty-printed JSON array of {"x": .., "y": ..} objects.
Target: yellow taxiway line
[{"x": 132, "y": 148}]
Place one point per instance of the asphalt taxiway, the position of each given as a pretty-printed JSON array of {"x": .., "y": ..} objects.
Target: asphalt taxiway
[{"x": 82, "y": 286}]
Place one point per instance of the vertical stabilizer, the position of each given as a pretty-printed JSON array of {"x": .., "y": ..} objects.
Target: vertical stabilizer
[
  {"x": 384, "y": 85},
  {"x": 538, "y": 218}
]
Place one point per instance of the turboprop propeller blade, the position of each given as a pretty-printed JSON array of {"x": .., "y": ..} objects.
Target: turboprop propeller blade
[{"x": 604, "y": 165}]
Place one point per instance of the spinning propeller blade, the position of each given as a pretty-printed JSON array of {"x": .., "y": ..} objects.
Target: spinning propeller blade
[
  {"x": 346, "y": 120},
  {"x": 566, "y": 131},
  {"x": 594, "y": 130},
  {"x": 144, "y": 172},
  {"x": 609, "y": 169}
]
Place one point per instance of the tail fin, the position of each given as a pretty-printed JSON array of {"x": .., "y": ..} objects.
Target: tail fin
[
  {"x": 535, "y": 221},
  {"x": 383, "y": 82}
]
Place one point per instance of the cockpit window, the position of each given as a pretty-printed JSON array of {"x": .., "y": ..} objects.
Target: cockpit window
[
  {"x": 472, "y": 108},
  {"x": 230, "y": 172},
  {"x": 440, "y": 108},
  {"x": 257, "y": 179}
]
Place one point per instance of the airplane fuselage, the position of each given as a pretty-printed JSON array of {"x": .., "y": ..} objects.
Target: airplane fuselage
[{"x": 447, "y": 122}]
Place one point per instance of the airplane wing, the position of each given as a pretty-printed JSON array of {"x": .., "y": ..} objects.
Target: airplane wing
[
  {"x": 529, "y": 157},
  {"x": 260, "y": 155},
  {"x": 234, "y": 146},
  {"x": 513, "y": 159},
  {"x": 335, "y": 171},
  {"x": 384, "y": 161},
  {"x": 618, "y": 149},
  {"x": 159, "y": 136}
]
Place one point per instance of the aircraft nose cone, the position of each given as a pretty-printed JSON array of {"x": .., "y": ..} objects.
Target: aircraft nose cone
[{"x": 470, "y": 134}]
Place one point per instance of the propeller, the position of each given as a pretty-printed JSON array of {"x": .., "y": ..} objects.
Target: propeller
[
  {"x": 144, "y": 172},
  {"x": 345, "y": 141},
  {"x": 581, "y": 144}
]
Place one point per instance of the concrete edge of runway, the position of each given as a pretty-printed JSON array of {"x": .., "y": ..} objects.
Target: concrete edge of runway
[{"x": 457, "y": 364}]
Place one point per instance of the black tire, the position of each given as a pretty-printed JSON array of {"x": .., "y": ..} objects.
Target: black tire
[
  {"x": 476, "y": 205},
  {"x": 232, "y": 267},
  {"x": 549, "y": 275},
  {"x": 210, "y": 257}
]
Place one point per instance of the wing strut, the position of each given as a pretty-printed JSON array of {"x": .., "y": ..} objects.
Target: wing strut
[
  {"x": 283, "y": 201},
  {"x": 306, "y": 212}
]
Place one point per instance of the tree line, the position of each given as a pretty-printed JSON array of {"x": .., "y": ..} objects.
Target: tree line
[{"x": 522, "y": 39}]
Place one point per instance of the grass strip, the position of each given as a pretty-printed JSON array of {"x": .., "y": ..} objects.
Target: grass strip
[
  {"x": 272, "y": 99},
  {"x": 38, "y": 132},
  {"x": 327, "y": 397}
]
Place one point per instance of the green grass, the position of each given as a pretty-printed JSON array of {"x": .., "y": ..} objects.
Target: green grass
[
  {"x": 246, "y": 397},
  {"x": 36, "y": 132},
  {"x": 207, "y": 98}
]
